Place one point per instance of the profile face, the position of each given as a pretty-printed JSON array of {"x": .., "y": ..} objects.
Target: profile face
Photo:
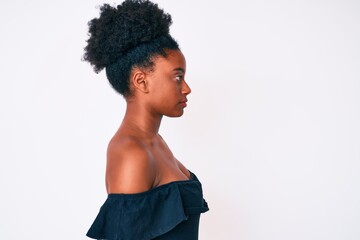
[{"x": 167, "y": 85}]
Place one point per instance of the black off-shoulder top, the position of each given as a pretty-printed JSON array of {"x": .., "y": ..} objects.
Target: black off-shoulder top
[{"x": 168, "y": 212}]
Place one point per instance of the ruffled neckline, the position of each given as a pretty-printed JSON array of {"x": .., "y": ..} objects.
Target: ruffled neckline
[
  {"x": 192, "y": 179},
  {"x": 171, "y": 209}
]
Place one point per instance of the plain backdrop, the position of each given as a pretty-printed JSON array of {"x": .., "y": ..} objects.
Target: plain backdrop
[{"x": 272, "y": 128}]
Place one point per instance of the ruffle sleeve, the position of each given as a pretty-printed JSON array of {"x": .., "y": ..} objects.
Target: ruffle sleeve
[{"x": 146, "y": 215}]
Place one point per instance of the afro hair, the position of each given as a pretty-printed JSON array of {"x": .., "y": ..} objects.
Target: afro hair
[{"x": 127, "y": 35}]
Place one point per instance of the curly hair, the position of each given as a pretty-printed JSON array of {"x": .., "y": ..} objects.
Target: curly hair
[{"x": 128, "y": 35}]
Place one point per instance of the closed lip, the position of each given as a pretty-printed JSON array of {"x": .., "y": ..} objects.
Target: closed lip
[{"x": 184, "y": 100}]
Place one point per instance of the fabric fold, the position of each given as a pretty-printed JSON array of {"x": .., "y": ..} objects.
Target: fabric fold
[{"x": 128, "y": 216}]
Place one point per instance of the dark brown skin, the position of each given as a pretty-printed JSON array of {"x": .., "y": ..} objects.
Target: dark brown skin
[{"x": 138, "y": 159}]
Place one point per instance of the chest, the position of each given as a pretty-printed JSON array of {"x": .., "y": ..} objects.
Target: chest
[{"x": 166, "y": 165}]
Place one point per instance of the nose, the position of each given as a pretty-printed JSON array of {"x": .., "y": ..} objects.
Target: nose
[{"x": 185, "y": 88}]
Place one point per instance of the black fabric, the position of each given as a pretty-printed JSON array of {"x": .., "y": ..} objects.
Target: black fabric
[{"x": 170, "y": 211}]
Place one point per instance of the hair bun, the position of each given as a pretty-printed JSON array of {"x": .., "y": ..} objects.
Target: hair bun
[{"x": 121, "y": 28}]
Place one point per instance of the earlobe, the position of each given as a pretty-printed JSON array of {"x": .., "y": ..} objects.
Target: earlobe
[{"x": 139, "y": 81}]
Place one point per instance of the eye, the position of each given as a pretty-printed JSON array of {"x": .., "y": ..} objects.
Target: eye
[{"x": 179, "y": 78}]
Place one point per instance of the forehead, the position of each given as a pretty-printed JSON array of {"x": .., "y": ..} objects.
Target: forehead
[{"x": 174, "y": 60}]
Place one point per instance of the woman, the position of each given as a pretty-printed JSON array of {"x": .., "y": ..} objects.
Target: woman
[{"x": 151, "y": 195}]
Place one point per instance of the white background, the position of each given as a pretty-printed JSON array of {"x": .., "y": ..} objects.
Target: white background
[{"x": 272, "y": 127}]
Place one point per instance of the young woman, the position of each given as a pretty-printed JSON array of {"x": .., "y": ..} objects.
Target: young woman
[{"x": 151, "y": 195}]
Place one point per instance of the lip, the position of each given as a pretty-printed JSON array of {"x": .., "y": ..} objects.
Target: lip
[{"x": 183, "y": 102}]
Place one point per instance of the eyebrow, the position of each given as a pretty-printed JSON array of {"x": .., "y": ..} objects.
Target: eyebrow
[{"x": 179, "y": 70}]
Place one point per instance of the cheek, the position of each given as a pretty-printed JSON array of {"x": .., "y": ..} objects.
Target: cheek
[{"x": 166, "y": 89}]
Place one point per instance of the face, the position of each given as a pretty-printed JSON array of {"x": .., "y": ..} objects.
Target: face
[{"x": 167, "y": 86}]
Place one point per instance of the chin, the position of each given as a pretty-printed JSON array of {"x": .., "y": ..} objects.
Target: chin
[{"x": 175, "y": 115}]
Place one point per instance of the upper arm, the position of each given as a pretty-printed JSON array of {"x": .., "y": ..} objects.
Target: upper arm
[{"x": 129, "y": 168}]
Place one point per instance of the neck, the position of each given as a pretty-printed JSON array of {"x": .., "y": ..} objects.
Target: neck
[{"x": 139, "y": 119}]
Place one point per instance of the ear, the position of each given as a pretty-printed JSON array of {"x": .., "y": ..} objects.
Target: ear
[{"x": 139, "y": 80}]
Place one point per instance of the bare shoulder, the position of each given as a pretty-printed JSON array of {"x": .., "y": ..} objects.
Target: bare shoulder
[{"x": 130, "y": 166}]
